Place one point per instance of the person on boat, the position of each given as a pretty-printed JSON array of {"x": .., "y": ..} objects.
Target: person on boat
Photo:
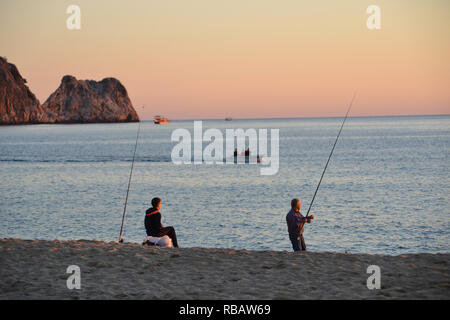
[
  {"x": 153, "y": 224},
  {"x": 295, "y": 222}
]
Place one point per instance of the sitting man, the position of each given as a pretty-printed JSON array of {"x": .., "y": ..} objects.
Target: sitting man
[{"x": 153, "y": 224}]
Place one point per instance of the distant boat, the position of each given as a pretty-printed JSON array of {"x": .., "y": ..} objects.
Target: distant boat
[
  {"x": 228, "y": 118},
  {"x": 160, "y": 120},
  {"x": 247, "y": 157}
]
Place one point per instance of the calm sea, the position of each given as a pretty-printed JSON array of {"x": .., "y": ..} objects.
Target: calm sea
[{"x": 386, "y": 189}]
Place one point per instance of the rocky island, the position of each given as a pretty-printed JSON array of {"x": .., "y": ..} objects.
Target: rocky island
[
  {"x": 75, "y": 101},
  {"x": 82, "y": 101},
  {"x": 18, "y": 105}
]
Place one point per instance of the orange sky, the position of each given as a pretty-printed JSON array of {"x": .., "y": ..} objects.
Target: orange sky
[{"x": 203, "y": 59}]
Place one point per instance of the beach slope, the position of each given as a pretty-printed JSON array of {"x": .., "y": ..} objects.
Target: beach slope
[{"x": 36, "y": 269}]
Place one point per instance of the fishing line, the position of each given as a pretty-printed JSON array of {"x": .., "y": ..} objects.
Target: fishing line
[
  {"x": 129, "y": 182},
  {"x": 326, "y": 165}
]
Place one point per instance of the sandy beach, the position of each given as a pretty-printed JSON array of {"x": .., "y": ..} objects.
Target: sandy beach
[{"x": 36, "y": 269}]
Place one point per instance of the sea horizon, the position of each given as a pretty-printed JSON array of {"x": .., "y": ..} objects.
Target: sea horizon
[
  {"x": 236, "y": 119},
  {"x": 318, "y": 117}
]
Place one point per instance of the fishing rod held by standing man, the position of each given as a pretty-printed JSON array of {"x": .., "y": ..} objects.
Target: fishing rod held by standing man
[
  {"x": 294, "y": 219},
  {"x": 331, "y": 153}
]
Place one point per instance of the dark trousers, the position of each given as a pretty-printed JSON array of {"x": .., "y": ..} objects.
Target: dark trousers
[
  {"x": 170, "y": 232},
  {"x": 298, "y": 243}
]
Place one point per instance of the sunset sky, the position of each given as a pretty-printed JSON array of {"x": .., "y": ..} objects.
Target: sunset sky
[{"x": 202, "y": 59}]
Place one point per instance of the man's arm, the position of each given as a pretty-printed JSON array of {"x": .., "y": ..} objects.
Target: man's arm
[
  {"x": 160, "y": 223},
  {"x": 300, "y": 221}
]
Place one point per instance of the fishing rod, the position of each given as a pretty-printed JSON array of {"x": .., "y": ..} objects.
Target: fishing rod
[
  {"x": 129, "y": 182},
  {"x": 326, "y": 165}
]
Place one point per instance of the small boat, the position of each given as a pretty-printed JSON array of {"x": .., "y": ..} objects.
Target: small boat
[
  {"x": 160, "y": 120},
  {"x": 248, "y": 158},
  {"x": 251, "y": 159},
  {"x": 228, "y": 118}
]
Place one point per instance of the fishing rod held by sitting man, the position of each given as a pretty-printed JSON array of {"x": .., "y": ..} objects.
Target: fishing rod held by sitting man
[{"x": 295, "y": 223}]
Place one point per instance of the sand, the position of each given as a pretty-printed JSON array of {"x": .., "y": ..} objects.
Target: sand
[{"x": 36, "y": 269}]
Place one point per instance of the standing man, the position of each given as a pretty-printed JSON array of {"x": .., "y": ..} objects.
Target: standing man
[
  {"x": 153, "y": 224},
  {"x": 295, "y": 222}
]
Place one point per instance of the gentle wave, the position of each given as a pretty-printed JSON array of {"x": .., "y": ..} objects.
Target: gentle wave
[
  {"x": 83, "y": 161},
  {"x": 246, "y": 159}
]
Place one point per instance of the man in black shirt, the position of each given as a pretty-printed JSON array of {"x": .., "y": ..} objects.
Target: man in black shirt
[{"x": 153, "y": 224}]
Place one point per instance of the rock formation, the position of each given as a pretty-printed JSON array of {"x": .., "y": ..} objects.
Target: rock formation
[
  {"x": 80, "y": 101},
  {"x": 18, "y": 105},
  {"x": 75, "y": 101}
]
